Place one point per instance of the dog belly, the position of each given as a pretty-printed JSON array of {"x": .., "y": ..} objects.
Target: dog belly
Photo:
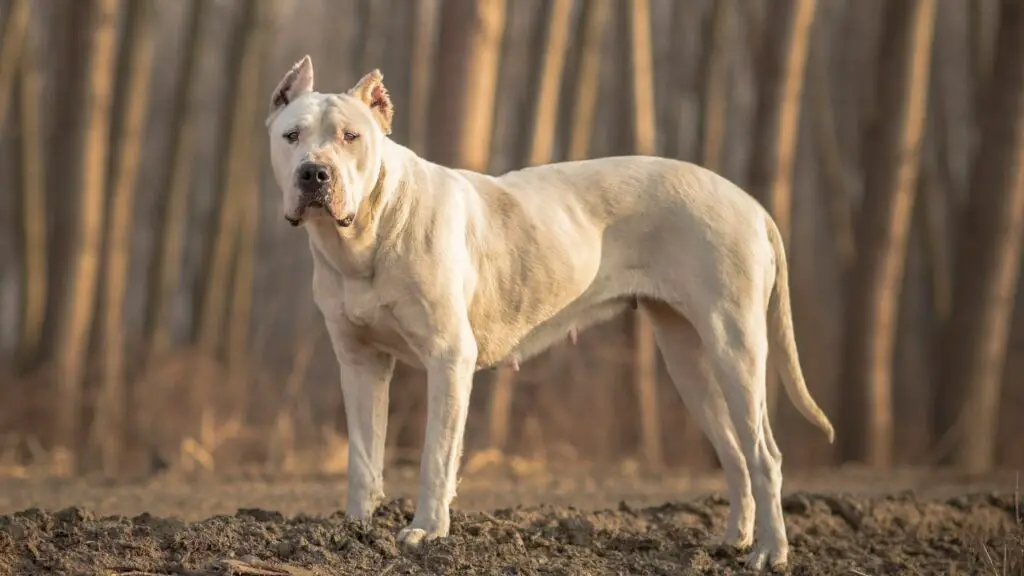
[{"x": 556, "y": 330}]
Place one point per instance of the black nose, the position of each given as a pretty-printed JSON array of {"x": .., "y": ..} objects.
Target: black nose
[{"x": 313, "y": 177}]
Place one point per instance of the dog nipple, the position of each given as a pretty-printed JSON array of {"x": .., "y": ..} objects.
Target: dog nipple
[
  {"x": 515, "y": 364},
  {"x": 574, "y": 334}
]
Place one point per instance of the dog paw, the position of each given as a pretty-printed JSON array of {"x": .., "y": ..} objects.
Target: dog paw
[
  {"x": 763, "y": 556},
  {"x": 411, "y": 538},
  {"x": 731, "y": 540},
  {"x": 362, "y": 506}
]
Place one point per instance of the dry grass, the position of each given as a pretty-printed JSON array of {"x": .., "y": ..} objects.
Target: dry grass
[
  {"x": 1007, "y": 559},
  {"x": 39, "y": 462},
  {"x": 185, "y": 419}
]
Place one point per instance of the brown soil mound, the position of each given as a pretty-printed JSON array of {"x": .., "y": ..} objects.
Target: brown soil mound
[{"x": 835, "y": 534}]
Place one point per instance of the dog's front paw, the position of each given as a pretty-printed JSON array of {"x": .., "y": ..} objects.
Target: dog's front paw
[
  {"x": 764, "y": 556},
  {"x": 412, "y": 537},
  {"x": 423, "y": 530},
  {"x": 362, "y": 504},
  {"x": 733, "y": 539}
]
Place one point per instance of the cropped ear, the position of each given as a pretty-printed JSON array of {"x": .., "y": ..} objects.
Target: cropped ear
[
  {"x": 373, "y": 93},
  {"x": 298, "y": 81}
]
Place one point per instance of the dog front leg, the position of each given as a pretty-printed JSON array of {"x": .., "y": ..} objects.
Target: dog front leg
[
  {"x": 449, "y": 381},
  {"x": 365, "y": 377}
]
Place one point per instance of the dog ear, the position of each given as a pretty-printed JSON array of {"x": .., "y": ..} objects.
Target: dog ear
[
  {"x": 298, "y": 81},
  {"x": 373, "y": 93}
]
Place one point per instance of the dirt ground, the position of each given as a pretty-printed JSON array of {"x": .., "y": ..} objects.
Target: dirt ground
[{"x": 534, "y": 522}]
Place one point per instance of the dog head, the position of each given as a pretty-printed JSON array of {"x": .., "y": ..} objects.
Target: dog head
[{"x": 326, "y": 148}]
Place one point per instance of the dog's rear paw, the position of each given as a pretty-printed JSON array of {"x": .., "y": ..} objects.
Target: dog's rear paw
[{"x": 763, "y": 556}]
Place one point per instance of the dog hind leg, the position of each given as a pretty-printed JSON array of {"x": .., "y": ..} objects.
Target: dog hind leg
[
  {"x": 735, "y": 334},
  {"x": 688, "y": 365}
]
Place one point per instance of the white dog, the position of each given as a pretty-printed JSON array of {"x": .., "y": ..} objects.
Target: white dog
[{"x": 453, "y": 271}]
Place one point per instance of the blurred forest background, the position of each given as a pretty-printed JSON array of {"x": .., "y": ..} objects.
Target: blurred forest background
[{"x": 156, "y": 310}]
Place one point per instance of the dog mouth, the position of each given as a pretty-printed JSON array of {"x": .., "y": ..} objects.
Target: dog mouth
[{"x": 342, "y": 221}]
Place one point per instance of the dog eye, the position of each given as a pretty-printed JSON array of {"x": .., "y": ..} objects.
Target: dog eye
[
  {"x": 351, "y": 136},
  {"x": 292, "y": 136}
]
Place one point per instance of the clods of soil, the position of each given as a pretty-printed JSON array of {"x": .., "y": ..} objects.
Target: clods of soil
[{"x": 978, "y": 533}]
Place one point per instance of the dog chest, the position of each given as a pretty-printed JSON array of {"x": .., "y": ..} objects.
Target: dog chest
[{"x": 374, "y": 321}]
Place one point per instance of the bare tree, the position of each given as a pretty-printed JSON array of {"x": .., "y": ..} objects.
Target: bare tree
[
  {"x": 989, "y": 260},
  {"x": 246, "y": 181},
  {"x": 591, "y": 31},
  {"x": 80, "y": 289},
  {"x": 891, "y": 173},
  {"x": 594, "y": 21},
  {"x": 465, "y": 88},
  {"x": 463, "y": 103},
  {"x": 782, "y": 70},
  {"x": 134, "y": 68},
  {"x": 12, "y": 39},
  {"x": 680, "y": 77},
  {"x": 645, "y": 140},
  {"x": 32, "y": 213},
  {"x": 551, "y": 59},
  {"x": 549, "y": 81},
  {"x": 837, "y": 196},
  {"x": 715, "y": 85},
  {"x": 715, "y": 80},
  {"x": 421, "y": 69},
  {"x": 369, "y": 44},
  {"x": 172, "y": 197},
  {"x": 934, "y": 207},
  {"x": 242, "y": 65},
  {"x": 983, "y": 16}
]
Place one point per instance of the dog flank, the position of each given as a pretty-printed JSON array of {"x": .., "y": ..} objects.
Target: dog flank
[{"x": 453, "y": 271}]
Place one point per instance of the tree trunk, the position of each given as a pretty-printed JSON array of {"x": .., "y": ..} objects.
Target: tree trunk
[
  {"x": 238, "y": 115},
  {"x": 12, "y": 40},
  {"x": 715, "y": 84},
  {"x": 782, "y": 71},
  {"x": 934, "y": 205},
  {"x": 370, "y": 36},
  {"x": 983, "y": 16},
  {"x": 594, "y": 21},
  {"x": 542, "y": 143},
  {"x": 422, "y": 71},
  {"x": 464, "y": 93},
  {"x": 172, "y": 199},
  {"x": 837, "y": 196},
  {"x": 715, "y": 74},
  {"x": 80, "y": 290},
  {"x": 591, "y": 33},
  {"x": 891, "y": 173},
  {"x": 246, "y": 182},
  {"x": 134, "y": 68},
  {"x": 684, "y": 64},
  {"x": 989, "y": 262},
  {"x": 548, "y": 82},
  {"x": 32, "y": 209},
  {"x": 463, "y": 103},
  {"x": 644, "y": 142}
]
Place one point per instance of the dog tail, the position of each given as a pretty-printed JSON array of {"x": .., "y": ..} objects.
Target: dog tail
[{"x": 782, "y": 345}]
